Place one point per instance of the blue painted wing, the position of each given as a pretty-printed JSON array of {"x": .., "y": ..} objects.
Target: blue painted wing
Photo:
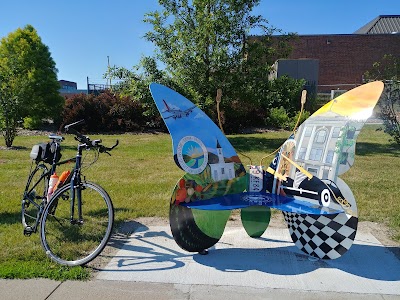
[
  {"x": 212, "y": 168},
  {"x": 212, "y": 165}
]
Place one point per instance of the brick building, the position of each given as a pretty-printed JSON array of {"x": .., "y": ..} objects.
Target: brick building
[{"x": 344, "y": 58}]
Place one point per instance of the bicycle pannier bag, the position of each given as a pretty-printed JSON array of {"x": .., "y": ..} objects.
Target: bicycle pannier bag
[{"x": 45, "y": 152}]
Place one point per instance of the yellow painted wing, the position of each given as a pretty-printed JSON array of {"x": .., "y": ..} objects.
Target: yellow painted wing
[
  {"x": 357, "y": 103},
  {"x": 325, "y": 142}
]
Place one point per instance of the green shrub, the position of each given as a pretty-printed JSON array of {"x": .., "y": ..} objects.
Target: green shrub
[
  {"x": 32, "y": 123},
  {"x": 284, "y": 92},
  {"x": 237, "y": 116},
  {"x": 279, "y": 118},
  {"x": 293, "y": 122}
]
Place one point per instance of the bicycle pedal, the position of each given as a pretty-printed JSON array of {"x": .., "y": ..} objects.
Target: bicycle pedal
[{"x": 28, "y": 230}]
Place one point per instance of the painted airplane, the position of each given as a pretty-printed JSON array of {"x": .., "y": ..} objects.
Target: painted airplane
[
  {"x": 177, "y": 113},
  {"x": 302, "y": 180}
]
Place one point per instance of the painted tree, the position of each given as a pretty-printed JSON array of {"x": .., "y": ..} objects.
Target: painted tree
[{"x": 28, "y": 81}]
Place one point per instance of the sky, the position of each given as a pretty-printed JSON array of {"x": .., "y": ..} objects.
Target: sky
[{"x": 83, "y": 35}]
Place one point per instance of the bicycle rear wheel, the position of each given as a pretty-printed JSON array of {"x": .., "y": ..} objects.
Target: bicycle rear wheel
[
  {"x": 34, "y": 198},
  {"x": 77, "y": 243}
]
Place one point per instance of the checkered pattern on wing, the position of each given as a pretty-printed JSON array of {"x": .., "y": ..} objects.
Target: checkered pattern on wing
[{"x": 322, "y": 236}]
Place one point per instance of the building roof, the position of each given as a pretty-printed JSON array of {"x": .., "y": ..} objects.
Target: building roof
[{"x": 386, "y": 24}]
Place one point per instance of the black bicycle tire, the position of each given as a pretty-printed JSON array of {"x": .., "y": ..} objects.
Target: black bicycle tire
[
  {"x": 39, "y": 168},
  {"x": 93, "y": 254}
]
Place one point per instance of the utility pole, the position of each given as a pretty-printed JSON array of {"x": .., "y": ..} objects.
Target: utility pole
[{"x": 108, "y": 63}]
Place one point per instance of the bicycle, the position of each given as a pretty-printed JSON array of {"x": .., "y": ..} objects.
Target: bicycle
[{"x": 76, "y": 220}]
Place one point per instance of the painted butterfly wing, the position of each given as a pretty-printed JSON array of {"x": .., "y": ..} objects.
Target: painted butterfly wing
[
  {"x": 324, "y": 147},
  {"x": 212, "y": 169},
  {"x": 328, "y": 137},
  {"x": 199, "y": 146}
]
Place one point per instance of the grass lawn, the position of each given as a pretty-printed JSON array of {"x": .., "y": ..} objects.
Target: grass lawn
[{"x": 140, "y": 176}]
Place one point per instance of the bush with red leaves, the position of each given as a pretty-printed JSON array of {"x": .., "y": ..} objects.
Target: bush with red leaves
[{"x": 106, "y": 112}]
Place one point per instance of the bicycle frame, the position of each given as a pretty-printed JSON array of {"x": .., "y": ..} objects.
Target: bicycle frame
[
  {"x": 40, "y": 206},
  {"x": 27, "y": 197},
  {"x": 76, "y": 184}
]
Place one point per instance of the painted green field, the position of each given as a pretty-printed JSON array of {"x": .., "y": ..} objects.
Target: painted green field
[{"x": 140, "y": 176}]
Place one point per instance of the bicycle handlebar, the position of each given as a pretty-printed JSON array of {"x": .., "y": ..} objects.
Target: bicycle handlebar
[
  {"x": 104, "y": 149},
  {"x": 80, "y": 137},
  {"x": 86, "y": 140},
  {"x": 66, "y": 127}
]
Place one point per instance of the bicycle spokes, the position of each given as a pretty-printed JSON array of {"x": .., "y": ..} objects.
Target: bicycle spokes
[{"x": 75, "y": 241}]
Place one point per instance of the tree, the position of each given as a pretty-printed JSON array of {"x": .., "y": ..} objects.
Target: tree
[
  {"x": 390, "y": 109},
  {"x": 135, "y": 84},
  {"x": 388, "y": 70},
  {"x": 205, "y": 45},
  {"x": 28, "y": 81}
]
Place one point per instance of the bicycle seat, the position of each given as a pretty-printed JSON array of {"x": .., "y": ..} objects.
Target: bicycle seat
[{"x": 56, "y": 138}]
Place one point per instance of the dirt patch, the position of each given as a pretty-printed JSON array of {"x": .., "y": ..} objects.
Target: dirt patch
[
  {"x": 27, "y": 132},
  {"x": 12, "y": 148},
  {"x": 383, "y": 234}
]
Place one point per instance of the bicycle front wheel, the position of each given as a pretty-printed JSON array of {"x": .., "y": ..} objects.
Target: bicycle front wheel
[{"x": 74, "y": 242}]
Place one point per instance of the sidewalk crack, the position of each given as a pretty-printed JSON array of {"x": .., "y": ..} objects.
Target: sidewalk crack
[{"x": 53, "y": 291}]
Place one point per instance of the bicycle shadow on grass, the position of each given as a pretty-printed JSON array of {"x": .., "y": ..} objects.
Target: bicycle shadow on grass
[
  {"x": 153, "y": 251},
  {"x": 7, "y": 218}
]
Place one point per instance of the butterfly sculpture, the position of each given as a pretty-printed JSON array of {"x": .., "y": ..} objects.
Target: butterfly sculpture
[{"x": 302, "y": 180}]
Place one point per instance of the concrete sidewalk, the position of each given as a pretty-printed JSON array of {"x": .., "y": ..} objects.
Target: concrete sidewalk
[
  {"x": 149, "y": 265},
  {"x": 272, "y": 261},
  {"x": 41, "y": 289}
]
